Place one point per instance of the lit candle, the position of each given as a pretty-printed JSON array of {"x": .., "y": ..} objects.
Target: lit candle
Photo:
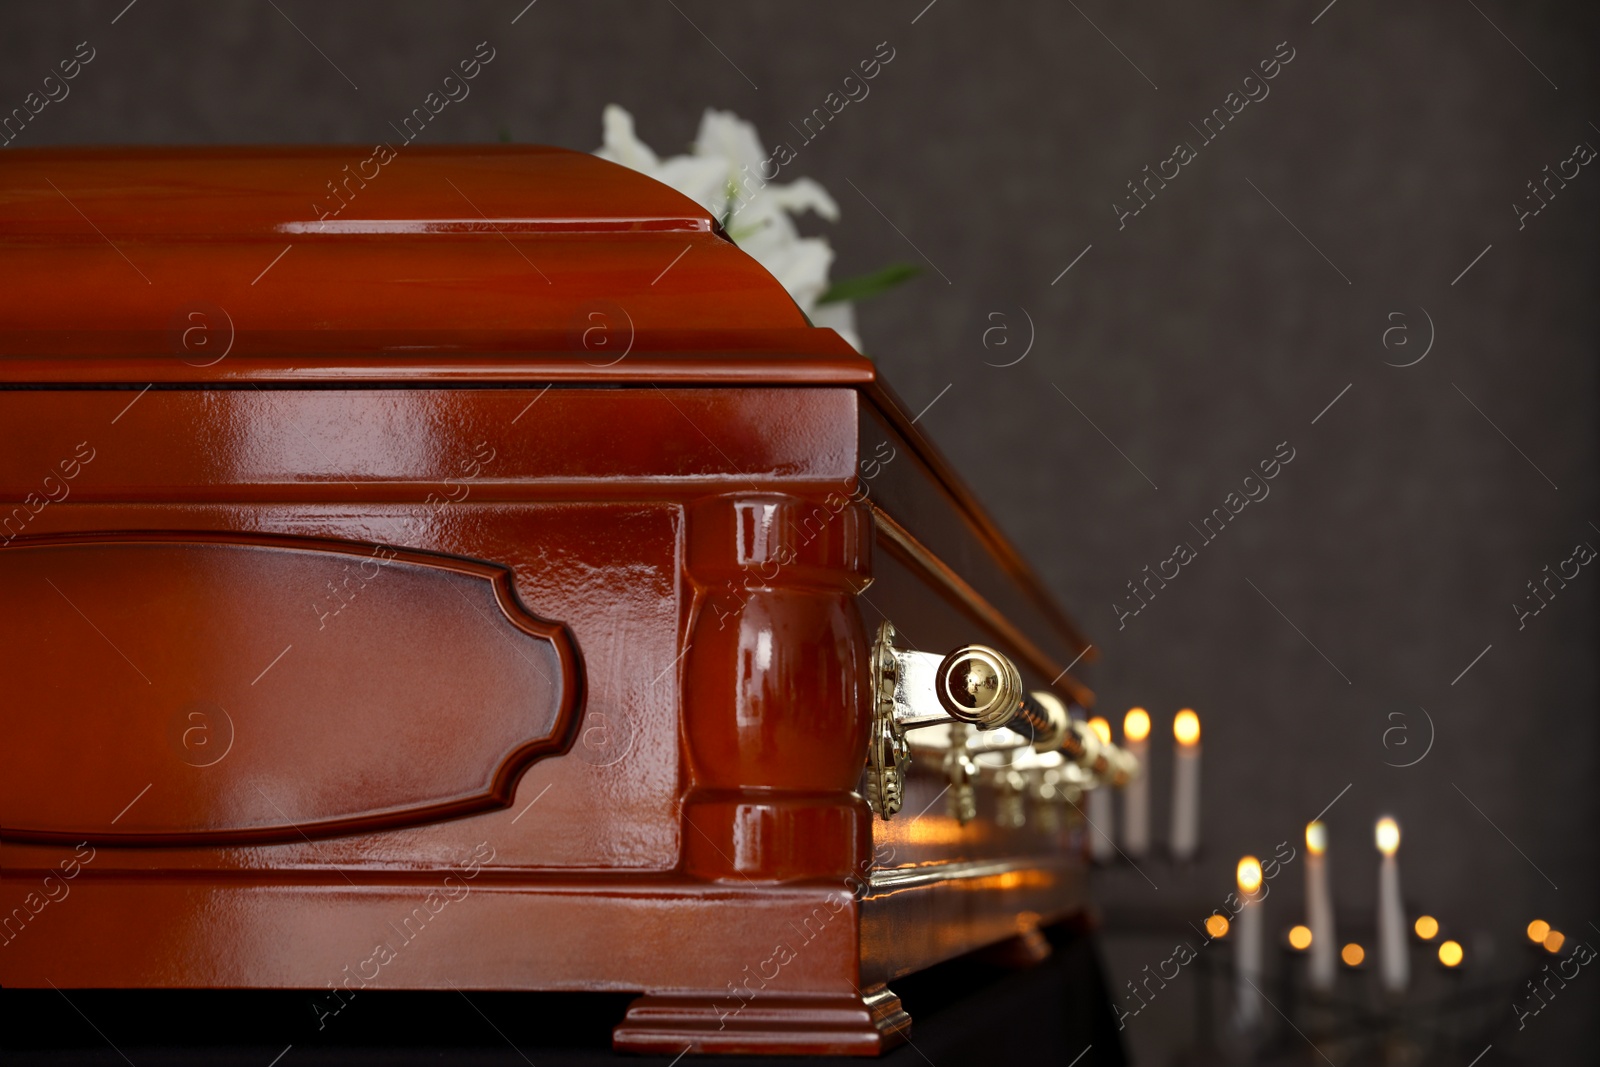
[
  {"x": 1101, "y": 814},
  {"x": 1186, "y": 785},
  {"x": 1319, "y": 909},
  {"x": 1136, "y": 794},
  {"x": 1247, "y": 946},
  {"x": 1393, "y": 964}
]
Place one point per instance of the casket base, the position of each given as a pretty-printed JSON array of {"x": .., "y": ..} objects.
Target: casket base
[{"x": 814, "y": 1025}]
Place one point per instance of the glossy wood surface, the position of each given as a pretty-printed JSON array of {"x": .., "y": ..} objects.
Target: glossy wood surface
[
  {"x": 499, "y": 246},
  {"x": 420, "y": 678},
  {"x": 599, "y": 720}
]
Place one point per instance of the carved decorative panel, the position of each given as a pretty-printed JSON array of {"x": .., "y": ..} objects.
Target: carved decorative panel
[{"x": 172, "y": 689}]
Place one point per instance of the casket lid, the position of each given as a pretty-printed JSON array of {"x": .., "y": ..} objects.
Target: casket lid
[
  {"x": 316, "y": 265},
  {"x": 348, "y": 263}
]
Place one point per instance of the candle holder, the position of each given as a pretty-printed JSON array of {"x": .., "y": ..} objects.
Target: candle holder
[{"x": 1453, "y": 1007}]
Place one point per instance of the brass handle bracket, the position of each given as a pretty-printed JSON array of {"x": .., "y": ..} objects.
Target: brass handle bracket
[{"x": 968, "y": 704}]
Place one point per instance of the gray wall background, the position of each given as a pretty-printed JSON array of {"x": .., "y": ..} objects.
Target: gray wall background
[{"x": 1215, "y": 325}]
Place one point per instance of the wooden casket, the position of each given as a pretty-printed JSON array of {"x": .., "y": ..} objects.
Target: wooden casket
[{"x": 471, "y": 572}]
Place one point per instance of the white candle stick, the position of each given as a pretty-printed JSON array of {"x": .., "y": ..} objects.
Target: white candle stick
[
  {"x": 1247, "y": 948},
  {"x": 1393, "y": 965},
  {"x": 1101, "y": 814},
  {"x": 1319, "y": 910},
  {"x": 1186, "y": 785},
  {"x": 1136, "y": 794}
]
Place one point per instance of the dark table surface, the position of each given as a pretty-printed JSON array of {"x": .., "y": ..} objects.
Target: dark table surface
[{"x": 967, "y": 1011}]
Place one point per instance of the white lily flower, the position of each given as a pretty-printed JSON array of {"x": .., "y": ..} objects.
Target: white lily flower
[
  {"x": 800, "y": 263},
  {"x": 803, "y": 194},
  {"x": 726, "y": 137},
  {"x": 723, "y": 174},
  {"x": 700, "y": 179}
]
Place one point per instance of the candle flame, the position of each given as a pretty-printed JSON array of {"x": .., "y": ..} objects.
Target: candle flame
[
  {"x": 1101, "y": 728},
  {"x": 1136, "y": 724},
  {"x": 1316, "y": 838},
  {"x": 1300, "y": 937},
  {"x": 1249, "y": 875},
  {"x": 1427, "y": 927},
  {"x": 1388, "y": 835},
  {"x": 1352, "y": 954},
  {"x": 1553, "y": 941},
  {"x": 1538, "y": 930},
  {"x": 1186, "y": 727},
  {"x": 1450, "y": 953},
  {"x": 1216, "y": 925}
]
